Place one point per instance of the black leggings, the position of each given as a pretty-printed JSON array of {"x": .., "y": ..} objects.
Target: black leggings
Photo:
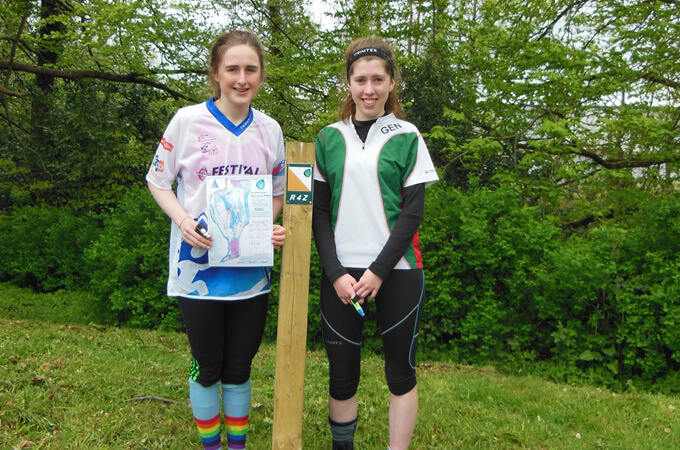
[
  {"x": 399, "y": 307},
  {"x": 224, "y": 337}
]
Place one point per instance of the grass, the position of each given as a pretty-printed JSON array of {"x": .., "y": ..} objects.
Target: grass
[{"x": 66, "y": 386}]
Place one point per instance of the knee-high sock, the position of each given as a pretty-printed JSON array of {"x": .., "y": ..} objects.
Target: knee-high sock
[
  {"x": 205, "y": 404},
  {"x": 236, "y": 404}
]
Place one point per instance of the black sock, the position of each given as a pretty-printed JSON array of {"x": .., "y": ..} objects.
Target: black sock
[{"x": 343, "y": 433}]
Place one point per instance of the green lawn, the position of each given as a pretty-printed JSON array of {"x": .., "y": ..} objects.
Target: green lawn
[{"x": 65, "y": 386}]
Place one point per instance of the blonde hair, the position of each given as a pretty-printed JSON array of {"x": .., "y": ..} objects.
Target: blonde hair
[
  {"x": 230, "y": 39},
  {"x": 349, "y": 108}
]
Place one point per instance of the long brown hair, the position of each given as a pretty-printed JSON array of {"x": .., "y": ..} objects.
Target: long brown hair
[
  {"x": 230, "y": 39},
  {"x": 349, "y": 108}
]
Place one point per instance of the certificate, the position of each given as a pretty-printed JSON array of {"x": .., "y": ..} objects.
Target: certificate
[{"x": 240, "y": 220}]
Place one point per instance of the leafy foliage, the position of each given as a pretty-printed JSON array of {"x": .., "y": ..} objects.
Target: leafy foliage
[
  {"x": 42, "y": 248},
  {"x": 128, "y": 264},
  {"x": 483, "y": 252},
  {"x": 506, "y": 285}
]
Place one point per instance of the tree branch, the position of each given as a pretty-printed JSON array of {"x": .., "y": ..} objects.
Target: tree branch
[
  {"x": 7, "y": 91},
  {"x": 628, "y": 163},
  {"x": 261, "y": 8},
  {"x": 623, "y": 163},
  {"x": 134, "y": 78},
  {"x": 668, "y": 2},
  {"x": 576, "y": 5},
  {"x": 661, "y": 80}
]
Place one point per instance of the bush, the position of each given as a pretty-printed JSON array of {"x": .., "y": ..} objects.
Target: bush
[
  {"x": 43, "y": 248},
  {"x": 503, "y": 284},
  {"x": 482, "y": 253},
  {"x": 506, "y": 286},
  {"x": 648, "y": 293},
  {"x": 576, "y": 300},
  {"x": 62, "y": 306},
  {"x": 128, "y": 264}
]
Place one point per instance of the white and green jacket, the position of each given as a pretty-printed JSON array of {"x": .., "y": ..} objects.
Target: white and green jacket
[{"x": 367, "y": 184}]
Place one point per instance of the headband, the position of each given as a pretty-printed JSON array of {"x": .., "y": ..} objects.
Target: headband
[{"x": 370, "y": 51}]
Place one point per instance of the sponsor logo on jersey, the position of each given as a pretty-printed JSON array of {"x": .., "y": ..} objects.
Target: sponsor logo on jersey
[
  {"x": 166, "y": 144},
  {"x": 278, "y": 170},
  {"x": 158, "y": 164},
  {"x": 235, "y": 169},
  {"x": 390, "y": 127},
  {"x": 208, "y": 148},
  {"x": 207, "y": 144}
]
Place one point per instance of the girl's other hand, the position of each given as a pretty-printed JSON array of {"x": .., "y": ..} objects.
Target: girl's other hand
[
  {"x": 368, "y": 285},
  {"x": 278, "y": 236}
]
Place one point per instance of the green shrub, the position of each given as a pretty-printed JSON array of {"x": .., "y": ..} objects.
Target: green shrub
[
  {"x": 613, "y": 298},
  {"x": 62, "y": 306},
  {"x": 576, "y": 300},
  {"x": 648, "y": 293},
  {"x": 43, "y": 248},
  {"x": 503, "y": 284},
  {"x": 482, "y": 253},
  {"x": 507, "y": 286},
  {"x": 128, "y": 264}
]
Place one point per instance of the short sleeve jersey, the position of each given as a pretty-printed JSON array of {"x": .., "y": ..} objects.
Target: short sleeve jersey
[
  {"x": 200, "y": 142},
  {"x": 366, "y": 180}
]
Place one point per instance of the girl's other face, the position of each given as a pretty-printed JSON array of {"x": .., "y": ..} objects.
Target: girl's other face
[
  {"x": 370, "y": 84},
  {"x": 239, "y": 76}
]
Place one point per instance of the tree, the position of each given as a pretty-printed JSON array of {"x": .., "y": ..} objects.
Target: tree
[
  {"x": 577, "y": 100},
  {"x": 114, "y": 72},
  {"x": 561, "y": 98},
  {"x": 88, "y": 86}
]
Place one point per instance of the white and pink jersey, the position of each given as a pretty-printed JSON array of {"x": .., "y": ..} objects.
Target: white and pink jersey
[{"x": 201, "y": 142}]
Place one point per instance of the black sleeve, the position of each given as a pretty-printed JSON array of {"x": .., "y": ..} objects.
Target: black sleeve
[
  {"x": 323, "y": 232},
  {"x": 403, "y": 231}
]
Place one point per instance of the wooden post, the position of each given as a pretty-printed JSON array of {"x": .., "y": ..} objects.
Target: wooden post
[{"x": 292, "y": 323}]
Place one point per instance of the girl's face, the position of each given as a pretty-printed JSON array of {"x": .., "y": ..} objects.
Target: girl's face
[
  {"x": 370, "y": 84},
  {"x": 239, "y": 76}
]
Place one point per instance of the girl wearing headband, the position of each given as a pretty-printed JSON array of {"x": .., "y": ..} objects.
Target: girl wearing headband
[{"x": 372, "y": 170}]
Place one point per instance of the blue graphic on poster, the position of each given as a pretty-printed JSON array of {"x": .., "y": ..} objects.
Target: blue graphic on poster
[{"x": 240, "y": 210}]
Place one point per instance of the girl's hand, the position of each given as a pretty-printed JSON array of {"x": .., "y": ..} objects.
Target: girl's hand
[
  {"x": 191, "y": 236},
  {"x": 344, "y": 287},
  {"x": 278, "y": 236},
  {"x": 368, "y": 285}
]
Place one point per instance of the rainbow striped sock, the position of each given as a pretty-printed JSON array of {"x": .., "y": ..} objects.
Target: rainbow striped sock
[
  {"x": 205, "y": 404},
  {"x": 209, "y": 430},
  {"x": 237, "y": 429},
  {"x": 236, "y": 406}
]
